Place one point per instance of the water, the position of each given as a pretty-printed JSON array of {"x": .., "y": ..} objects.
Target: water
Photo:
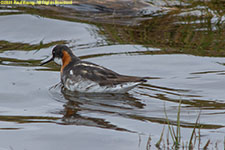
[{"x": 35, "y": 113}]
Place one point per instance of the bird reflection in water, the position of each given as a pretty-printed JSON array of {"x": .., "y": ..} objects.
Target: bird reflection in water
[{"x": 84, "y": 108}]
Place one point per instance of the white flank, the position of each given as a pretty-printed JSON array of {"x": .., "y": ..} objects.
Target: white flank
[
  {"x": 88, "y": 86},
  {"x": 71, "y": 72}
]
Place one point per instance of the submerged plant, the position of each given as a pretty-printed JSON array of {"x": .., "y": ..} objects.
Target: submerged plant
[{"x": 175, "y": 135}]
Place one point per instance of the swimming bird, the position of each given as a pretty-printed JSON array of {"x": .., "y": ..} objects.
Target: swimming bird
[{"x": 86, "y": 77}]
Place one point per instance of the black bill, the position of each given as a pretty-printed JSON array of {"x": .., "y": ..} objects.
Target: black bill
[{"x": 45, "y": 62}]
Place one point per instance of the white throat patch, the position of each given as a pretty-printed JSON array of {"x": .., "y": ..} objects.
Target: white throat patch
[{"x": 58, "y": 60}]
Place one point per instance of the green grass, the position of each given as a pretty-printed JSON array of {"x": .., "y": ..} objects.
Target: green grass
[
  {"x": 5, "y": 45},
  {"x": 161, "y": 31},
  {"x": 174, "y": 133}
]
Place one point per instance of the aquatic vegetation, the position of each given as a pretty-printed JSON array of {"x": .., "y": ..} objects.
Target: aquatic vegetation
[
  {"x": 153, "y": 42},
  {"x": 177, "y": 142}
]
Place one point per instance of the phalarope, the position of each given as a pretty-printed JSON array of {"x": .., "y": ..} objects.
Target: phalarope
[{"x": 87, "y": 77}]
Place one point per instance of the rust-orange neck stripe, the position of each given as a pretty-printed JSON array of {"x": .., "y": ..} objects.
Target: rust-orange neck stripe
[{"x": 65, "y": 60}]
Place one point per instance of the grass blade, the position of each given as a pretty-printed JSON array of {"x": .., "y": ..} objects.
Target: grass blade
[
  {"x": 206, "y": 145},
  {"x": 160, "y": 140},
  {"x": 148, "y": 146},
  {"x": 168, "y": 122},
  {"x": 193, "y": 132}
]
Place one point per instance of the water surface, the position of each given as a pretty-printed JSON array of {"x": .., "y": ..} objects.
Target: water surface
[{"x": 36, "y": 114}]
